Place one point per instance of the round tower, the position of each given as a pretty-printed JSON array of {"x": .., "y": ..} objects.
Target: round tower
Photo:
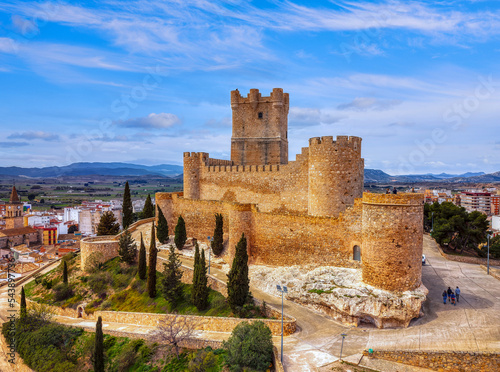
[
  {"x": 192, "y": 170},
  {"x": 392, "y": 234},
  {"x": 335, "y": 178}
]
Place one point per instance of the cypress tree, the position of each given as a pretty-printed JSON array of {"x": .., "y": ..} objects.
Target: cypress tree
[
  {"x": 143, "y": 269},
  {"x": 152, "y": 264},
  {"x": 218, "y": 242},
  {"x": 99, "y": 347},
  {"x": 196, "y": 269},
  {"x": 172, "y": 274},
  {"x": 148, "y": 210},
  {"x": 180, "y": 233},
  {"x": 162, "y": 228},
  {"x": 65, "y": 272},
  {"x": 127, "y": 209},
  {"x": 203, "y": 290},
  {"x": 238, "y": 288},
  {"x": 23, "y": 311}
]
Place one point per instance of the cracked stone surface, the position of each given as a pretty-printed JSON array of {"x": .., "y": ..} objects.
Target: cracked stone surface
[{"x": 341, "y": 294}]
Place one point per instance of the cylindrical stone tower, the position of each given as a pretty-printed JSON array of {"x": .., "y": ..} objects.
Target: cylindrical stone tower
[
  {"x": 192, "y": 169},
  {"x": 335, "y": 178},
  {"x": 392, "y": 234},
  {"x": 240, "y": 222}
]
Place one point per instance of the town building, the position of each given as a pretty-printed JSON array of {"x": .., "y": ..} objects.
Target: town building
[{"x": 476, "y": 201}]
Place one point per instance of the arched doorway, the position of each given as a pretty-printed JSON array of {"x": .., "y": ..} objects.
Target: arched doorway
[{"x": 356, "y": 253}]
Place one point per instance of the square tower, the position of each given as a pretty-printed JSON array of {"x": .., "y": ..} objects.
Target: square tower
[{"x": 260, "y": 128}]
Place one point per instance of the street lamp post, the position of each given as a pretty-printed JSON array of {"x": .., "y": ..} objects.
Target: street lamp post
[
  {"x": 342, "y": 345},
  {"x": 210, "y": 240},
  {"x": 283, "y": 291},
  {"x": 432, "y": 228},
  {"x": 488, "y": 257}
]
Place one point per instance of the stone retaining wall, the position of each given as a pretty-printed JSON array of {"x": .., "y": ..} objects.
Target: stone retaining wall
[
  {"x": 202, "y": 323},
  {"x": 467, "y": 259},
  {"x": 452, "y": 361},
  {"x": 493, "y": 271}
]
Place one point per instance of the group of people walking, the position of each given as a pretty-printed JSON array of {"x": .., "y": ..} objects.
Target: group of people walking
[{"x": 451, "y": 296}]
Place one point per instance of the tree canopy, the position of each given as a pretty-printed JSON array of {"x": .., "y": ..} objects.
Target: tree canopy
[
  {"x": 108, "y": 224},
  {"x": 162, "y": 227},
  {"x": 127, "y": 249},
  {"x": 149, "y": 210},
  {"x": 127, "y": 209},
  {"x": 250, "y": 347},
  {"x": 455, "y": 227},
  {"x": 238, "y": 284}
]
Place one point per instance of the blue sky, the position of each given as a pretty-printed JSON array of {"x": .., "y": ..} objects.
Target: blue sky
[{"x": 144, "y": 81}]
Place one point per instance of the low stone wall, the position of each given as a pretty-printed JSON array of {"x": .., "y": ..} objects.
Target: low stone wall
[
  {"x": 202, "y": 323},
  {"x": 494, "y": 272},
  {"x": 467, "y": 259},
  {"x": 56, "y": 310},
  {"x": 453, "y": 361},
  {"x": 135, "y": 225}
]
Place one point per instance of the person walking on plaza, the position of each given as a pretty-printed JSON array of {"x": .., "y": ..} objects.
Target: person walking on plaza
[
  {"x": 445, "y": 296},
  {"x": 457, "y": 293},
  {"x": 449, "y": 293},
  {"x": 453, "y": 299}
]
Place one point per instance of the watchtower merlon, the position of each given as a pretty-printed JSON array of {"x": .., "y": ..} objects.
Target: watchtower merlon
[{"x": 260, "y": 128}]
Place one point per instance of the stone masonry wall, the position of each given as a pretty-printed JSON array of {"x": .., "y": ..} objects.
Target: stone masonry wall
[
  {"x": 392, "y": 236},
  {"x": 107, "y": 246},
  {"x": 272, "y": 238},
  {"x": 202, "y": 323},
  {"x": 323, "y": 180},
  {"x": 452, "y": 361}
]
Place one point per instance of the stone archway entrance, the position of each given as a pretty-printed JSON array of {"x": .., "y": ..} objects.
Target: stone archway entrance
[{"x": 356, "y": 253}]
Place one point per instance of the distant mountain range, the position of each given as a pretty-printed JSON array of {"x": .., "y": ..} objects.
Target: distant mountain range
[
  {"x": 85, "y": 169},
  {"x": 169, "y": 170}
]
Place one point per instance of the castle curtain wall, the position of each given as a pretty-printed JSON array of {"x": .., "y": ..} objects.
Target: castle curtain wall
[{"x": 273, "y": 238}]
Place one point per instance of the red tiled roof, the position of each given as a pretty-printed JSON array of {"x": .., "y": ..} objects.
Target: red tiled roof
[{"x": 17, "y": 231}]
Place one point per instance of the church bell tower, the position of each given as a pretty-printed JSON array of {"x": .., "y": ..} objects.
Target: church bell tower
[{"x": 14, "y": 211}]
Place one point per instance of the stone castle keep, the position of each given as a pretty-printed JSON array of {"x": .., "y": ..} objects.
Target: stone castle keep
[{"x": 310, "y": 211}]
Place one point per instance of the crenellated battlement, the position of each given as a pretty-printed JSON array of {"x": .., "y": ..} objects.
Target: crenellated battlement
[
  {"x": 277, "y": 98},
  {"x": 351, "y": 142}
]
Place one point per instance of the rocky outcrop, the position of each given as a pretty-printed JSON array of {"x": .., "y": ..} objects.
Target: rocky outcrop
[{"x": 341, "y": 294}]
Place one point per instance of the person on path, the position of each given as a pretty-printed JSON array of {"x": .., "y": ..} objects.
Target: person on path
[
  {"x": 453, "y": 299},
  {"x": 449, "y": 293},
  {"x": 457, "y": 293},
  {"x": 445, "y": 296}
]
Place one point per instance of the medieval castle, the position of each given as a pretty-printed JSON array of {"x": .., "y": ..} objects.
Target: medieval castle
[{"x": 311, "y": 211}]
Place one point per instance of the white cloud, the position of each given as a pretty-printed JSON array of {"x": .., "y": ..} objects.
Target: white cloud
[
  {"x": 152, "y": 121},
  {"x": 368, "y": 103},
  {"x": 31, "y": 135}
]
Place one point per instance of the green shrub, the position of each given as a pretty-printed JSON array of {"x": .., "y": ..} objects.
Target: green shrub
[
  {"x": 98, "y": 282},
  {"x": 203, "y": 361},
  {"x": 46, "y": 346},
  {"x": 62, "y": 292},
  {"x": 250, "y": 346}
]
